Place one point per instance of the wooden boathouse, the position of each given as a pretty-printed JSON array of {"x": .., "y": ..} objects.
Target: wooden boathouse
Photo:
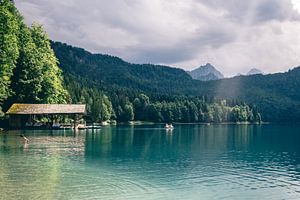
[{"x": 20, "y": 114}]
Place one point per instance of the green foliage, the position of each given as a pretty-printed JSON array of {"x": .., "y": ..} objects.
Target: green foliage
[
  {"x": 274, "y": 95},
  {"x": 125, "y": 105},
  {"x": 140, "y": 105},
  {"x": 139, "y": 92},
  {"x": 28, "y": 76},
  {"x": 28, "y": 67},
  {"x": 9, "y": 51},
  {"x": 127, "y": 114},
  {"x": 193, "y": 109},
  {"x": 110, "y": 73},
  {"x": 52, "y": 81}
]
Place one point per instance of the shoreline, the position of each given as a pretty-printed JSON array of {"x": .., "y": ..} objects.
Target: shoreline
[
  {"x": 195, "y": 123},
  {"x": 141, "y": 123}
]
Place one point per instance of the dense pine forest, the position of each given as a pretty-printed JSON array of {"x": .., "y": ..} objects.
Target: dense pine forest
[
  {"x": 126, "y": 92},
  {"x": 276, "y": 96},
  {"x": 31, "y": 72}
]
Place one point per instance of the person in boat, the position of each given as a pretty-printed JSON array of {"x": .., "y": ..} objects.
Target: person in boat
[
  {"x": 25, "y": 139},
  {"x": 168, "y": 126}
]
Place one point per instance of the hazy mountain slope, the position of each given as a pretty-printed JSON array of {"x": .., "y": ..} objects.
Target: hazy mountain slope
[{"x": 277, "y": 95}]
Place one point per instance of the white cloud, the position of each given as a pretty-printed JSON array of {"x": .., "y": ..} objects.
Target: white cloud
[
  {"x": 234, "y": 35},
  {"x": 296, "y": 5}
]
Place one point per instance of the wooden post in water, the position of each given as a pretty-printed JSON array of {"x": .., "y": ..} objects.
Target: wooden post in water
[
  {"x": 75, "y": 122},
  {"x": 51, "y": 121}
]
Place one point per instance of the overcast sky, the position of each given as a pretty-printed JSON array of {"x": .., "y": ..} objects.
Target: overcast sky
[{"x": 233, "y": 35}]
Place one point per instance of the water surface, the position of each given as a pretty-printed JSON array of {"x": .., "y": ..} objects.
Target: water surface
[{"x": 148, "y": 162}]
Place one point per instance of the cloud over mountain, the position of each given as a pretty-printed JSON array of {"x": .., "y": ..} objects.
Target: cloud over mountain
[{"x": 233, "y": 34}]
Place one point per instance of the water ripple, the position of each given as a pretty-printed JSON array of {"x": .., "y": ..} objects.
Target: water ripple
[{"x": 145, "y": 163}]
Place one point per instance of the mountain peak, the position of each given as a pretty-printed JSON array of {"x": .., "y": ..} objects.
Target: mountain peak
[
  {"x": 206, "y": 72},
  {"x": 208, "y": 65},
  {"x": 254, "y": 71}
]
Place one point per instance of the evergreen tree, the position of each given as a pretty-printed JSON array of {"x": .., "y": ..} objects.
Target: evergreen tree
[
  {"x": 128, "y": 113},
  {"x": 28, "y": 75},
  {"x": 96, "y": 110},
  {"x": 109, "y": 107},
  {"x": 52, "y": 81}
]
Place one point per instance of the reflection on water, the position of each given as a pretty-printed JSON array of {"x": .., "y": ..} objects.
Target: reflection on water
[{"x": 148, "y": 162}]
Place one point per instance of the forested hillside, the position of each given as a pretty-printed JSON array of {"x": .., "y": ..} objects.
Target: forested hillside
[
  {"x": 108, "y": 71},
  {"x": 277, "y": 96},
  {"x": 141, "y": 92}
]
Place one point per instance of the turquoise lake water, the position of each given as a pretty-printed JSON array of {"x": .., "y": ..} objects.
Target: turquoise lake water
[{"x": 148, "y": 162}]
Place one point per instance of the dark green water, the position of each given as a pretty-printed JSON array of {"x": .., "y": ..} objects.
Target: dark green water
[{"x": 148, "y": 162}]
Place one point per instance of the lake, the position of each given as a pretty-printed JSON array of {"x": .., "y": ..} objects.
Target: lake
[{"x": 148, "y": 162}]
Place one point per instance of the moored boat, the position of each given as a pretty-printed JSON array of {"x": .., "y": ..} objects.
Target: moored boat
[
  {"x": 169, "y": 126},
  {"x": 83, "y": 127}
]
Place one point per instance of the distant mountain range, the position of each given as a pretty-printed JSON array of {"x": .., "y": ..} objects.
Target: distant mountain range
[
  {"x": 206, "y": 73},
  {"x": 254, "y": 71},
  {"x": 277, "y": 96}
]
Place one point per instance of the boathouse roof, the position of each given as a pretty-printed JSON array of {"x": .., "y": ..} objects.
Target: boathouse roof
[{"x": 40, "y": 109}]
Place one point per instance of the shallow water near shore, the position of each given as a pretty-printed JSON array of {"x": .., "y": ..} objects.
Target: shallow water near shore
[{"x": 149, "y": 162}]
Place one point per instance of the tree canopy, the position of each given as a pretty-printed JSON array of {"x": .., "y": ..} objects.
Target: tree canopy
[{"x": 29, "y": 71}]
